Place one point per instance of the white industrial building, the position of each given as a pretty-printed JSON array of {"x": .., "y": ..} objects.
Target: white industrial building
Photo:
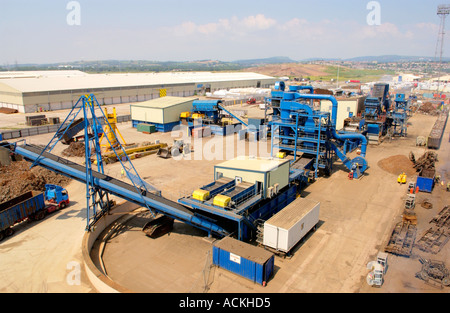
[{"x": 56, "y": 90}]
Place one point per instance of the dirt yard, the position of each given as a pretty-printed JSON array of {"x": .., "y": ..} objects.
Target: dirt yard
[{"x": 356, "y": 220}]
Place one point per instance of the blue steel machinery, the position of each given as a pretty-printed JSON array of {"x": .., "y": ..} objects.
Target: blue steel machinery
[
  {"x": 297, "y": 128},
  {"x": 399, "y": 115},
  {"x": 210, "y": 113},
  {"x": 242, "y": 205},
  {"x": 99, "y": 185},
  {"x": 375, "y": 115},
  {"x": 310, "y": 135},
  {"x": 226, "y": 206}
]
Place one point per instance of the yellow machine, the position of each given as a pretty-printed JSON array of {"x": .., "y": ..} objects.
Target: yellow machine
[
  {"x": 111, "y": 132},
  {"x": 198, "y": 116},
  {"x": 401, "y": 178},
  {"x": 185, "y": 114},
  {"x": 222, "y": 201},
  {"x": 201, "y": 195}
]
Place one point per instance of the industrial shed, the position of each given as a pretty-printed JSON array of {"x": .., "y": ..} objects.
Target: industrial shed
[
  {"x": 346, "y": 107},
  {"x": 164, "y": 112},
  {"x": 30, "y": 92},
  {"x": 271, "y": 174}
]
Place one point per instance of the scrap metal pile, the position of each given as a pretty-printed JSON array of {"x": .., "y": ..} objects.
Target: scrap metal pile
[
  {"x": 438, "y": 234},
  {"x": 426, "y": 164},
  {"x": 434, "y": 273},
  {"x": 402, "y": 239},
  {"x": 435, "y": 137}
]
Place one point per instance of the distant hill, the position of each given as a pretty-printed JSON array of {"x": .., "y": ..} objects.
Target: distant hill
[
  {"x": 393, "y": 58},
  {"x": 101, "y": 66},
  {"x": 380, "y": 59},
  {"x": 265, "y": 61}
]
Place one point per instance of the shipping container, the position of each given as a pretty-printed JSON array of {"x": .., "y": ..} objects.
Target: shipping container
[
  {"x": 425, "y": 184},
  {"x": 147, "y": 128},
  {"x": 286, "y": 228},
  {"x": 243, "y": 259}
]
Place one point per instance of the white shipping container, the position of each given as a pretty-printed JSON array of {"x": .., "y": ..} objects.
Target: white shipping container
[{"x": 286, "y": 228}]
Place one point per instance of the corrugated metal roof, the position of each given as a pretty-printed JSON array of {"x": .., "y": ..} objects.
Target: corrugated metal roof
[
  {"x": 292, "y": 213},
  {"x": 253, "y": 164},
  {"x": 164, "y": 102},
  {"x": 80, "y": 80}
]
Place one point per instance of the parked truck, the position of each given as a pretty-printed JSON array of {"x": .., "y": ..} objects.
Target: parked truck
[{"x": 32, "y": 205}]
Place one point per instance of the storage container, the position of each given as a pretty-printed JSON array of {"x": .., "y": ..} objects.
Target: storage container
[
  {"x": 425, "y": 184},
  {"x": 243, "y": 259},
  {"x": 147, "y": 128},
  {"x": 286, "y": 228}
]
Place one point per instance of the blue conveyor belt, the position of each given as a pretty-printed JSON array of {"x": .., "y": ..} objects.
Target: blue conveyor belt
[{"x": 119, "y": 188}]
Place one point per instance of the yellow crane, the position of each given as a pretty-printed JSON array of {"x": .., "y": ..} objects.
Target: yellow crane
[{"x": 111, "y": 132}]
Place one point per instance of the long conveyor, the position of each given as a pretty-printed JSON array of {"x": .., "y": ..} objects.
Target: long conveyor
[{"x": 119, "y": 188}]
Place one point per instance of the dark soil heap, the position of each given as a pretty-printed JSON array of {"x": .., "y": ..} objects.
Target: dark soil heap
[
  {"x": 75, "y": 149},
  {"x": 397, "y": 165},
  {"x": 18, "y": 178}
]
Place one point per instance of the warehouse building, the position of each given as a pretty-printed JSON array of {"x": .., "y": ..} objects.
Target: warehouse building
[
  {"x": 30, "y": 92},
  {"x": 163, "y": 112}
]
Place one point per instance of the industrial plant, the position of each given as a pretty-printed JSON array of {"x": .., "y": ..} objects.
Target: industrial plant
[{"x": 223, "y": 182}]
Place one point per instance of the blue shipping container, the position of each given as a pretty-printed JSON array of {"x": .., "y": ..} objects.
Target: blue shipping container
[
  {"x": 253, "y": 263},
  {"x": 425, "y": 184}
]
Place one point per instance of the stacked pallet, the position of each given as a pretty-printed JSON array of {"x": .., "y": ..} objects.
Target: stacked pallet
[{"x": 36, "y": 120}]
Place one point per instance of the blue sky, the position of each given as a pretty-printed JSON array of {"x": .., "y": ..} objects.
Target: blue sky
[{"x": 37, "y": 31}]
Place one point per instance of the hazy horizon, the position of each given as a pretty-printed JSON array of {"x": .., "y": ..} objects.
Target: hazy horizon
[{"x": 47, "y": 32}]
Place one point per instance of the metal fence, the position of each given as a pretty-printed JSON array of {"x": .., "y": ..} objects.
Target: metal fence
[{"x": 45, "y": 129}]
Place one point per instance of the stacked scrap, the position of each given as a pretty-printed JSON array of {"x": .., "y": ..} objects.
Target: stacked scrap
[
  {"x": 433, "y": 240},
  {"x": 425, "y": 165}
]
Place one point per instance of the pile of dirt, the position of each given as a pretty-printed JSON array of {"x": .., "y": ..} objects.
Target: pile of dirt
[
  {"x": 398, "y": 164},
  {"x": 428, "y": 108},
  {"x": 17, "y": 178},
  {"x": 75, "y": 149}
]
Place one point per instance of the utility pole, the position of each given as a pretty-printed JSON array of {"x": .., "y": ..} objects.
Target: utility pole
[{"x": 442, "y": 12}]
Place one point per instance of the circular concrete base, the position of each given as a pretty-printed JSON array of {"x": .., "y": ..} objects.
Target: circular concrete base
[{"x": 99, "y": 280}]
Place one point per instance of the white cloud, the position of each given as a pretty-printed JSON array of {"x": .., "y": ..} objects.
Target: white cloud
[
  {"x": 226, "y": 26},
  {"x": 434, "y": 28},
  {"x": 258, "y": 22},
  {"x": 294, "y": 24}
]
